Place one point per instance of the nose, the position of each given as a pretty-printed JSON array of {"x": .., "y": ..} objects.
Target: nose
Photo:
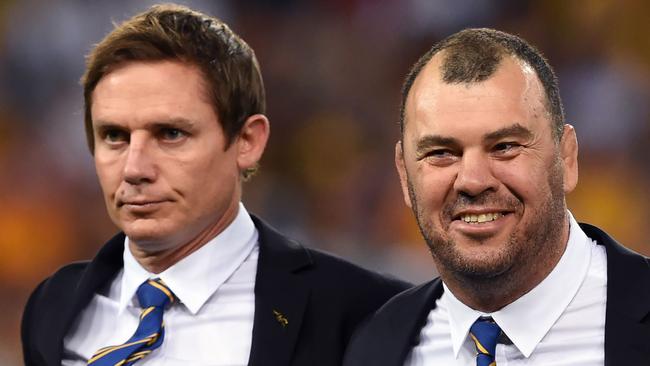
[
  {"x": 139, "y": 166},
  {"x": 475, "y": 175}
]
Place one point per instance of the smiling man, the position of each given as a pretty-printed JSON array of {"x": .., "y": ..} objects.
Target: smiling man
[
  {"x": 175, "y": 122},
  {"x": 485, "y": 161}
]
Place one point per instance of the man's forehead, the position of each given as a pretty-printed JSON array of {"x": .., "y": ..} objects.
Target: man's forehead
[
  {"x": 429, "y": 76},
  {"x": 514, "y": 85},
  {"x": 149, "y": 92}
]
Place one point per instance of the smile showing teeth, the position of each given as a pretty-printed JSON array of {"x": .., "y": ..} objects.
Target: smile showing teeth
[{"x": 478, "y": 219}]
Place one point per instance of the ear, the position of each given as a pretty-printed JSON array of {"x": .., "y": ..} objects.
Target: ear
[
  {"x": 252, "y": 141},
  {"x": 569, "y": 154},
  {"x": 401, "y": 170}
]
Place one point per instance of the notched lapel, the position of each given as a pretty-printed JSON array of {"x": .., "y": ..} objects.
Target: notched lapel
[
  {"x": 406, "y": 326},
  {"x": 281, "y": 297},
  {"x": 278, "y": 318},
  {"x": 100, "y": 271},
  {"x": 395, "y": 329},
  {"x": 627, "y": 320}
]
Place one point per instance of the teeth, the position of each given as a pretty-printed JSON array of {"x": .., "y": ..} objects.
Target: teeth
[{"x": 477, "y": 219}]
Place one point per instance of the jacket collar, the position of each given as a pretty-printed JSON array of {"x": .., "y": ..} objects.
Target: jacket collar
[
  {"x": 401, "y": 330},
  {"x": 280, "y": 296},
  {"x": 97, "y": 274},
  {"x": 627, "y": 323}
]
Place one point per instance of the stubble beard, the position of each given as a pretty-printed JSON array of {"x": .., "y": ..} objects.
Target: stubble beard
[{"x": 529, "y": 249}]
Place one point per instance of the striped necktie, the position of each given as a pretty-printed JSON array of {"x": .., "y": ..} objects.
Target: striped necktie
[
  {"x": 485, "y": 334},
  {"x": 154, "y": 296}
]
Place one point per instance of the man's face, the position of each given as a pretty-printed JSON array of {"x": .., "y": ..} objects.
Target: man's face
[
  {"x": 160, "y": 154},
  {"x": 480, "y": 169}
]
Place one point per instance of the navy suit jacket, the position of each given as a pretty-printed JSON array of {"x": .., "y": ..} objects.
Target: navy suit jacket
[
  {"x": 388, "y": 337},
  {"x": 323, "y": 298}
]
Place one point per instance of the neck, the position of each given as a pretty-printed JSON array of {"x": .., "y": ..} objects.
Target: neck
[
  {"x": 491, "y": 294},
  {"x": 158, "y": 261}
]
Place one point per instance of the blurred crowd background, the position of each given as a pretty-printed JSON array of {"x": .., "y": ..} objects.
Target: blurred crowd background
[{"x": 333, "y": 71}]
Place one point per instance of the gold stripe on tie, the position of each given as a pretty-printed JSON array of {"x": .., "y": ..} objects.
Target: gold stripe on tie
[
  {"x": 142, "y": 353},
  {"x": 153, "y": 340},
  {"x": 134, "y": 357},
  {"x": 146, "y": 312},
  {"x": 107, "y": 350},
  {"x": 480, "y": 346},
  {"x": 163, "y": 289}
]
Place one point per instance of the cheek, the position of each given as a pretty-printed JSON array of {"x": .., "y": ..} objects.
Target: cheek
[
  {"x": 432, "y": 186},
  {"x": 108, "y": 175},
  {"x": 207, "y": 180},
  {"x": 527, "y": 182}
]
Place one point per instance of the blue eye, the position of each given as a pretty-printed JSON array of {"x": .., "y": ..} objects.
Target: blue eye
[
  {"x": 172, "y": 134},
  {"x": 115, "y": 136}
]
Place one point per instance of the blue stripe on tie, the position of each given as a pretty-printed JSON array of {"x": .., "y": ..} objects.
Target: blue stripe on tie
[
  {"x": 485, "y": 334},
  {"x": 154, "y": 296}
]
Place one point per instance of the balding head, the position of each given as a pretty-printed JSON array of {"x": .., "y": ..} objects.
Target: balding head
[{"x": 474, "y": 55}]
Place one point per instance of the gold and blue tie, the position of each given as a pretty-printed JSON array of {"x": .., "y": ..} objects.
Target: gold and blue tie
[
  {"x": 154, "y": 296},
  {"x": 485, "y": 334}
]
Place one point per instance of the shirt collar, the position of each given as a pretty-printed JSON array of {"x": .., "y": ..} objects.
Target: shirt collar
[
  {"x": 527, "y": 320},
  {"x": 195, "y": 278}
]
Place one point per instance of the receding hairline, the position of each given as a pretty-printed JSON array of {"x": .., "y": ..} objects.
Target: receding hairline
[
  {"x": 477, "y": 51},
  {"x": 435, "y": 67}
]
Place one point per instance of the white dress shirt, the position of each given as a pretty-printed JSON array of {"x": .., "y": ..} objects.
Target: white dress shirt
[
  {"x": 559, "y": 322},
  {"x": 212, "y": 322}
]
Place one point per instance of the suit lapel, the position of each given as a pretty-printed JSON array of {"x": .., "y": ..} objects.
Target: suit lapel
[
  {"x": 627, "y": 322},
  {"x": 281, "y": 296},
  {"x": 99, "y": 272},
  {"x": 405, "y": 326}
]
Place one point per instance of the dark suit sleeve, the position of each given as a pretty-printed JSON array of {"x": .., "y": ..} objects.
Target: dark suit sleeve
[
  {"x": 354, "y": 352},
  {"x": 373, "y": 340},
  {"x": 358, "y": 293},
  {"x": 368, "y": 335},
  {"x": 47, "y": 314},
  {"x": 369, "y": 298},
  {"x": 341, "y": 296},
  {"x": 28, "y": 327}
]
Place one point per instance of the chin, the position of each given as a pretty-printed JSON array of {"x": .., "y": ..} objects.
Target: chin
[
  {"x": 472, "y": 259},
  {"x": 485, "y": 269},
  {"x": 485, "y": 260},
  {"x": 147, "y": 235}
]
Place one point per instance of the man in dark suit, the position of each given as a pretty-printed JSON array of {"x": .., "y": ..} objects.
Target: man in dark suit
[
  {"x": 485, "y": 160},
  {"x": 175, "y": 122}
]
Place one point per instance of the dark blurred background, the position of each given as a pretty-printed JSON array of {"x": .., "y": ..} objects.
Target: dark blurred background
[{"x": 333, "y": 70}]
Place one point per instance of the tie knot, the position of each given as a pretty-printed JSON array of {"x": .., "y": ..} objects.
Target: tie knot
[
  {"x": 485, "y": 334},
  {"x": 154, "y": 293}
]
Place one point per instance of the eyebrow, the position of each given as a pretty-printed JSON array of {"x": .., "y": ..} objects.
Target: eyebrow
[
  {"x": 181, "y": 122},
  {"x": 435, "y": 140},
  {"x": 171, "y": 122},
  {"x": 515, "y": 130}
]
